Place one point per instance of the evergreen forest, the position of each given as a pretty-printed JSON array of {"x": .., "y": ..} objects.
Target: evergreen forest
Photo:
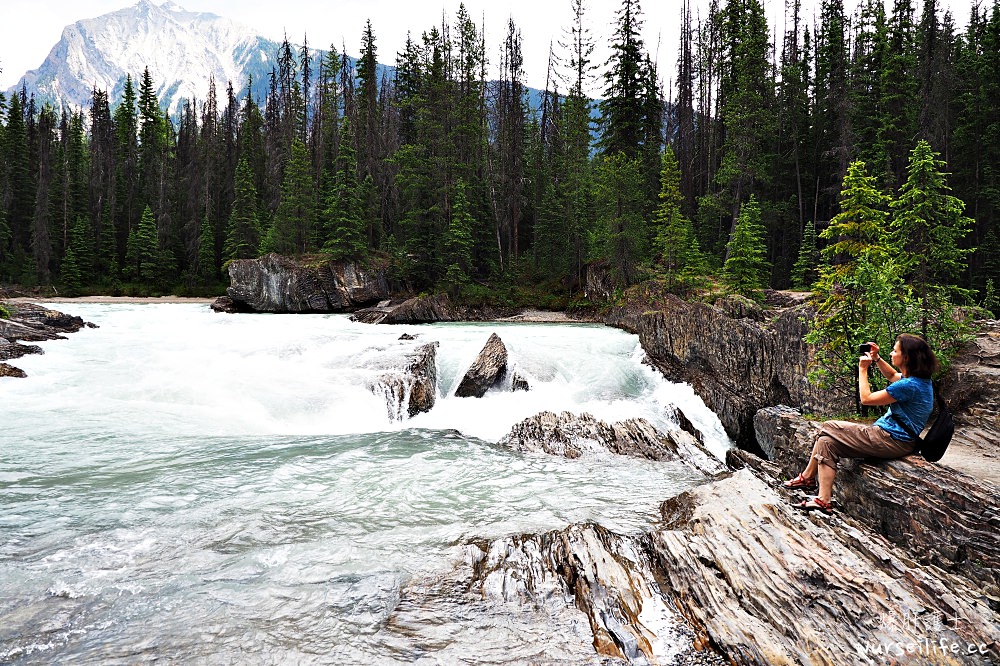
[{"x": 847, "y": 147}]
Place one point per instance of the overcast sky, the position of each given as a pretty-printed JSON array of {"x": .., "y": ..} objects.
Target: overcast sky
[{"x": 30, "y": 28}]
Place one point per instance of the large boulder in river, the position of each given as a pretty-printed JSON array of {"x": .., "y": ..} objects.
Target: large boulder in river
[
  {"x": 576, "y": 435},
  {"x": 410, "y": 385},
  {"x": 488, "y": 370},
  {"x": 274, "y": 283}
]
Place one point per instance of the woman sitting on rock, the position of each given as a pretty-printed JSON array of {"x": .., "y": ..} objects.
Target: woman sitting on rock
[{"x": 910, "y": 397}]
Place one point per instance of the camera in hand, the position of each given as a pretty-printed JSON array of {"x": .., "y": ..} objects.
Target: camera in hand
[{"x": 864, "y": 347}]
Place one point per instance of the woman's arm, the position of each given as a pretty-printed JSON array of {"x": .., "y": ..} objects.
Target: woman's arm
[
  {"x": 884, "y": 366},
  {"x": 867, "y": 397}
]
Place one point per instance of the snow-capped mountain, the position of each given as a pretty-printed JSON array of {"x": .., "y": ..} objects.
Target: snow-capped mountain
[{"x": 182, "y": 50}]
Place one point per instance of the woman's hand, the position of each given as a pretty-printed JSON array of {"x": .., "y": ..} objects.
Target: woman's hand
[
  {"x": 875, "y": 349},
  {"x": 865, "y": 361}
]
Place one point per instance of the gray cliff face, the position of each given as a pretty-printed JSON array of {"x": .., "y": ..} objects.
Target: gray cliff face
[
  {"x": 741, "y": 358},
  {"x": 736, "y": 364},
  {"x": 278, "y": 284}
]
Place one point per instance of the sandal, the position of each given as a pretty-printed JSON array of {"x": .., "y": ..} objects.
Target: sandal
[
  {"x": 815, "y": 504},
  {"x": 801, "y": 482}
]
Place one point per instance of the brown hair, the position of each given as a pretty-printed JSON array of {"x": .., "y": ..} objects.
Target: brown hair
[{"x": 918, "y": 357}]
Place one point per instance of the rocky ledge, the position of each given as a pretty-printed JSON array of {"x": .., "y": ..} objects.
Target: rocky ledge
[
  {"x": 32, "y": 323},
  {"x": 577, "y": 435},
  {"x": 735, "y": 570},
  {"x": 740, "y": 358}
]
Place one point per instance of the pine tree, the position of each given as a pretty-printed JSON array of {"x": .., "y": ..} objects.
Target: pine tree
[
  {"x": 746, "y": 270},
  {"x": 870, "y": 48},
  {"x": 206, "y": 268},
  {"x": 295, "y": 216},
  {"x": 806, "y": 269},
  {"x": 675, "y": 239},
  {"x": 860, "y": 227},
  {"x": 899, "y": 103},
  {"x": 127, "y": 196},
  {"x": 243, "y": 234},
  {"x": 620, "y": 236},
  {"x": 344, "y": 213},
  {"x": 928, "y": 224},
  {"x": 78, "y": 253},
  {"x": 746, "y": 97},
  {"x": 142, "y": 250},
  {"x": 621, "y": 109},
  {"x": 458, "y": 241}
]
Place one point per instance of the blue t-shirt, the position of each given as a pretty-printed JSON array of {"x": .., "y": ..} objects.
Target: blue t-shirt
[{"x": 914, "y": 404}]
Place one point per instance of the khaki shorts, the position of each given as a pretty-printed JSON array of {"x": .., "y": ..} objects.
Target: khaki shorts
[{"x": 845, "y": 439}]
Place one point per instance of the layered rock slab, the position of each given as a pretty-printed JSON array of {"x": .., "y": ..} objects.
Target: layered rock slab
[
  {"x": 751, "y": 578},
  {"x": 577, "y": 435},
  {"x": 30, "y": 322}
]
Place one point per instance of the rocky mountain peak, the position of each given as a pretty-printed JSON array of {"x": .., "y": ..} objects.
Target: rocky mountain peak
[{"x": 183, "y": 50}]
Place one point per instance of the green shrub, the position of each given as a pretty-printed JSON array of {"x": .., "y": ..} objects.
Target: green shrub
[{"x": 4, "y": 312}]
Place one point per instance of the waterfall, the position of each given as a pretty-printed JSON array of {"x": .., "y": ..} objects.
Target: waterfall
[{"x": 265, "y": 480}]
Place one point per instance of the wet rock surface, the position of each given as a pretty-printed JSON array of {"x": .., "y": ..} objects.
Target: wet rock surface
[
  {"x": 30, "y": 322},
  {"x": 734, "y": 570},
  {"x": 410, "y": 386},
  {"x": 519, "y": 383},
  {"x": 574, "y": 436},
  {"x": 7, "y": 370},
  {"x": 488, "y": 370},
  {"x": 278, "y": 284},
  {"x": 224, "y": 304}
]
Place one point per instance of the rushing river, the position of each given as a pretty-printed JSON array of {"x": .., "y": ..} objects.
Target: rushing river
[{"x": 185, "y": 486}]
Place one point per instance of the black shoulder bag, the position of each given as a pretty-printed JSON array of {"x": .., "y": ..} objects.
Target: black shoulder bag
[{"x": 933, "y": 446}]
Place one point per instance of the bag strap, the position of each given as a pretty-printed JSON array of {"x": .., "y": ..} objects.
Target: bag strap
[
  {"x": 907, "y": 428},
  {"x": 942, "y": 408}
]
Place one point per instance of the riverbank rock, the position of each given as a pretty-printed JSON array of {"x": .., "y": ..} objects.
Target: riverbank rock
[
  {"x": 488, "y": 370},
  {"x": 410, "y": 386},
  {"x": 224, "y": 304},
  {"x": 7, "y": 370},
  {"x": 29, "y": 322},
  {"x": 421, "y": 310},
  {"x": 438, "y": 307},
  {"x": 577, "y": 435},
  {"x": 972, "y": 389},
  {"x": 274, "y": 283},
  {"x": 734, "y": 566}
]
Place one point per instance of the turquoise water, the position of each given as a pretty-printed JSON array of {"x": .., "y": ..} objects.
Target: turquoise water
[{"x": 186, "y": 486}]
